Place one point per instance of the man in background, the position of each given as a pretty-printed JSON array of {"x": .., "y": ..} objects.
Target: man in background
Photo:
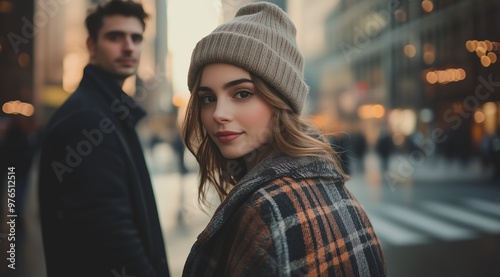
[{"x": 98, "y": 211}]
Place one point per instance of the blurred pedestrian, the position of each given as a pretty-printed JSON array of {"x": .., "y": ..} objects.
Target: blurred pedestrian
[
  {"x": 384, "y": 148},
  {"x": 179, "y": 148},
  {"x": 494, "y": 148},
  {"x": 18, "y": 147},
  {"x": 98, "y": 211},
  {"x": 359, "y": 147},
  {"x": 285, "y": 210},
  {"x": 342, "y": 146}
]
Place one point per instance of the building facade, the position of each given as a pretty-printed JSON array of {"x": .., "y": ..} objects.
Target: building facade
[{"x": 425, "y": 67}]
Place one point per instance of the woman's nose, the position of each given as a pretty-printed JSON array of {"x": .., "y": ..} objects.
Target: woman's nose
[{"x": 223, "y": 112}]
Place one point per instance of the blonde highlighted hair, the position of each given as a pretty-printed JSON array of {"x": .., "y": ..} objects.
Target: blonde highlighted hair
[{"x": 291, "y": 135}]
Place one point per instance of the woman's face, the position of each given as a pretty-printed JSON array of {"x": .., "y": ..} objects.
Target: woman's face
[{"x": 233, "y": 112}]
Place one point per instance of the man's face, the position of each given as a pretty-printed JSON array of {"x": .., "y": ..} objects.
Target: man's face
[{"x": 118, "y": 46}]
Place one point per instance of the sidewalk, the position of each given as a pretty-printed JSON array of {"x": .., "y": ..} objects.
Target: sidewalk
[
  {"x": 181, "y": 218},
  {"x": 415, "y": 170}
]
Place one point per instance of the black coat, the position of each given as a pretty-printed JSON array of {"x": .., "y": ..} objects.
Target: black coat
[{"x": 98, "y": 211}]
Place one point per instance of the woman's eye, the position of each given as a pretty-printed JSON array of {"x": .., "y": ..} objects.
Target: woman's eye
[
  {"x": 243, "y": 94},
  {"x": 207, "y": 99}
]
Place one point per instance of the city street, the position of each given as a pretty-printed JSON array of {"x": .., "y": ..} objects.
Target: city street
[
  {"x": 443, "y": 221},
  {"x": 407, "y": 94}
]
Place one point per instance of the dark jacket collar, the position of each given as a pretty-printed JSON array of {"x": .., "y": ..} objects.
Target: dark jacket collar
[{"x": 124, "y": 106}]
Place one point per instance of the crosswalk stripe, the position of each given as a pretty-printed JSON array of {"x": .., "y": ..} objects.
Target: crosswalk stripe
[
  {"x": 483, "y": 205},
  {"x": 459, "y": 214},
  {"x": 395, "y": 234},
  {"x": 437, "y": 228}
]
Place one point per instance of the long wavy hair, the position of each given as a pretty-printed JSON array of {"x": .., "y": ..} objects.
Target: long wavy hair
[{"x": 290, "y": 134}]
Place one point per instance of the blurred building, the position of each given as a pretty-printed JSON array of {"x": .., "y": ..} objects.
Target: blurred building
[
  {"x": 412, "y": 66},
  {"x": 426, "y": 67},
  {"x": 43, "y": 53},
  {"x": 16, "y": 57}
]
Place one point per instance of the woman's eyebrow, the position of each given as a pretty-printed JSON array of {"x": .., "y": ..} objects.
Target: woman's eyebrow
[
  {"x": 236, "y": 82},
  {"x": 227, "y": 85},
  {"x": 207, "y": 89}
]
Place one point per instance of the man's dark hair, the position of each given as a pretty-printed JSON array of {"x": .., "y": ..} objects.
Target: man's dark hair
[{"x": 94, "y": 19}]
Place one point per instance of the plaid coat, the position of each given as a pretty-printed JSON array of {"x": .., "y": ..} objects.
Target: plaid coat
[{"x": 288, "y": 217}]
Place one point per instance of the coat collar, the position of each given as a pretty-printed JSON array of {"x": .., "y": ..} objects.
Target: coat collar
[
  {"x": 273, "y": 167},
  {"x": 124, "y": 106}
]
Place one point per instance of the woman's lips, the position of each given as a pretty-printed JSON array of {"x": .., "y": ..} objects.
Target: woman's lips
[{"x": 226, "y": 136}]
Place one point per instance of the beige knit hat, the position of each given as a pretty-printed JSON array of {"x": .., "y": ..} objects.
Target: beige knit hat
[{"x": 260, "y": 39}]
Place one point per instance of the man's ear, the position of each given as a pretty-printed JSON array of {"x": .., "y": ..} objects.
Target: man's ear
[{"x": 91, "y": 47}]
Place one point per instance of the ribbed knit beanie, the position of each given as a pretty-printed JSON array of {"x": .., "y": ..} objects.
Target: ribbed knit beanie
[{"x": 261, "y": 40}]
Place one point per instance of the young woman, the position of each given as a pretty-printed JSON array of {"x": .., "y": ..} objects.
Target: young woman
[{"x": 285, "y": 210}]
